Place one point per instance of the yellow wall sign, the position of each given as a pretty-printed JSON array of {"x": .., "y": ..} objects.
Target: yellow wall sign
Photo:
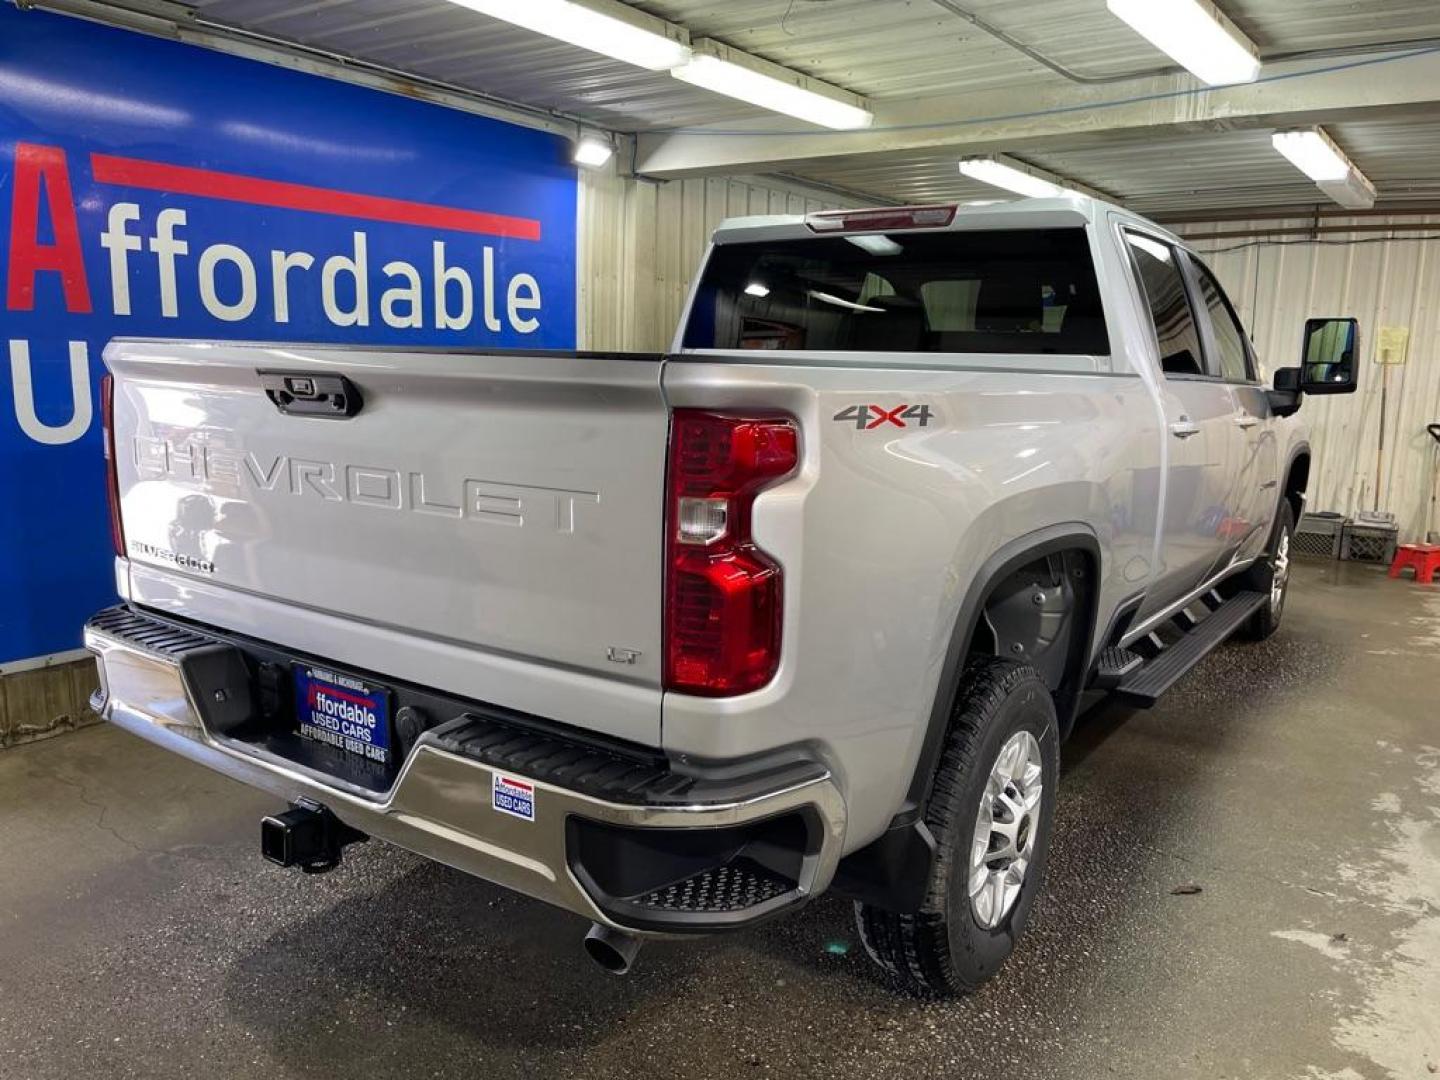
[{"x": 1393, "y": 344}]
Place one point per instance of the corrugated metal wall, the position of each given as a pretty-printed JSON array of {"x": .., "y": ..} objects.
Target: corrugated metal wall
[
  {"x": 640, "y": 242},
  {"x": 1383, "y": 279}
]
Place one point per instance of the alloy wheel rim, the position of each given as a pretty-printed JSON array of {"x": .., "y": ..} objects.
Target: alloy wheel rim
[
  {"x": 1006, "y": 828},
  {"x": 1280, "y": 567}
]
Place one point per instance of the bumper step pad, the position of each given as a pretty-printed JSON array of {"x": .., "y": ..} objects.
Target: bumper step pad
[
  {"x": 602, "y": 771},
  {"x": 158, "y": 638},
  {"x": 735, "y": 886}
]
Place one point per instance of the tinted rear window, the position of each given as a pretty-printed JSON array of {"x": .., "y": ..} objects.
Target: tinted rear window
[{"x": 1011, "y": 291}]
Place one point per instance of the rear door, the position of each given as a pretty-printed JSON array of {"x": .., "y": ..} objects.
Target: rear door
[
  {"x": 488, "y": 524},
  {"x": 1199, "y": 417}
]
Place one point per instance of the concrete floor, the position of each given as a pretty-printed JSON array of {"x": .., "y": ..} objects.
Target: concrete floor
[{"x": 1297, "y": 782}]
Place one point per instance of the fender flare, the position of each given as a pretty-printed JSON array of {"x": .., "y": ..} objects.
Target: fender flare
[
  {"x": 893, "y": 870},
  {"x": 1299, "y": 450},
  {"x": 1008, "y": 558}
]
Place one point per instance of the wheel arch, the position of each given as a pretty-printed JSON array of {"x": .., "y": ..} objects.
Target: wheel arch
[
  {"x": 1297, "y": 479},
  {"x": 891, "y": 871},
  {"x": 1006, "y": 561}
]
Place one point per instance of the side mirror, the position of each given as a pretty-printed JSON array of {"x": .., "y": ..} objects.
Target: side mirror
[{"x": 1329, "y": 356}]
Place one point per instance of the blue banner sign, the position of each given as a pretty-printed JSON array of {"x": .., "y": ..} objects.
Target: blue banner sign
[{"x": 154, "y": 189}]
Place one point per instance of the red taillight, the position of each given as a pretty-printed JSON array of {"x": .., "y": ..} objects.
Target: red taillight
[
  {"x": 112, "y": 476},
  {"x": 722, "y": 593}
]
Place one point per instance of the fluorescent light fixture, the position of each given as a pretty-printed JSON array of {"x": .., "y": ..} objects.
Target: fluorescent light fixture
[
  {"x": 1316, "y": 155},
  {"x": 983, "y": 202},
  {"x": 998, "y": 174},
  {"x": 1312, "y": 152},
  {"x": 1196, "y": 35},
  {"x": 603, "y": 26},
  {"x": 757, "y": 289},
  {"x": 1355, "y": 192},
  {"x": 592, "y": 151},
  {"x": 876, "y": 244},
  {"x": 770, "y": 86}
]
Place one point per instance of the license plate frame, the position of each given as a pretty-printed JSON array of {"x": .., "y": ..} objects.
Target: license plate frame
[{"x": 349, "y": 714}]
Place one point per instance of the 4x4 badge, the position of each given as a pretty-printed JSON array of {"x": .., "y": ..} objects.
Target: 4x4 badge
[{"x": 869, "y": 417}]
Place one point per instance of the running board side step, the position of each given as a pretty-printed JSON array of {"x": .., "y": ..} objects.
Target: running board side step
[
  {"x": 1115, "y": 665},
  {"x": 1144, "y": 684}
]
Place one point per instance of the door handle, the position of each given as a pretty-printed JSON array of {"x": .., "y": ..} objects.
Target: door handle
[
  {"x": 1183, "y": 429},
  {"x": 1245, "y": 420},
  {"x": 300, "y": 393}
]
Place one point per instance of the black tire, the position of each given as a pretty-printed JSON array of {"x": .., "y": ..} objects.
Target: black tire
[
  {"x": 1262, "y": 576},
  {"x": 943, "y": 948}
]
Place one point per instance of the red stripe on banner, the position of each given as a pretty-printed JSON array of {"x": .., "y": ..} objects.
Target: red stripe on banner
[
  {"x": 332, "y": 692},
  {"x": 184, "y": 180}
]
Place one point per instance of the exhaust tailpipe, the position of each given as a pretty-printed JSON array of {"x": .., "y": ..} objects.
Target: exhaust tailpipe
[{"x": 613, "y": 950}]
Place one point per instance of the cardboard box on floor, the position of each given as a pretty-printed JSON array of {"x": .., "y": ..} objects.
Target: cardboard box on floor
[{"x": 46, "y": 701}]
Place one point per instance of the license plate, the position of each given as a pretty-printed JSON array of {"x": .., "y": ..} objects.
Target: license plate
[{"x": 344, "y": 712}]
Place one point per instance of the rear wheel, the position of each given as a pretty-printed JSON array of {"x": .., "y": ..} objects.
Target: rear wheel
[
  {"x": 990, "y": 812},
  {"x": 1272, "y": 575}
]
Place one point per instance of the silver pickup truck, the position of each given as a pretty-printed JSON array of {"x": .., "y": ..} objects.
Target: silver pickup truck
[{"x": 680, "y": 642}]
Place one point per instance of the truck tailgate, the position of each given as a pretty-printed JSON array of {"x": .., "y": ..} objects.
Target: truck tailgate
[{"x": 502, "y": 510}]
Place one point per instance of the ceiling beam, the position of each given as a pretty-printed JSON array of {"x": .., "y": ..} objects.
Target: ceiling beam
[
  {"x": 1034, "y": 117},
  {"x": 1300, "y": 211}
]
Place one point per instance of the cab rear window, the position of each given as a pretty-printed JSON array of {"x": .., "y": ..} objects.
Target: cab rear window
[{"x": 1010, "y": 291}]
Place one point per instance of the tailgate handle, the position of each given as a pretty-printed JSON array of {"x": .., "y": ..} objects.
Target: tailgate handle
[{"x": 301, "y": 393}]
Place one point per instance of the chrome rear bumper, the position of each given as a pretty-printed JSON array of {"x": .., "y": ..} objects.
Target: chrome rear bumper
[{"x": 440, "y": 805}]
